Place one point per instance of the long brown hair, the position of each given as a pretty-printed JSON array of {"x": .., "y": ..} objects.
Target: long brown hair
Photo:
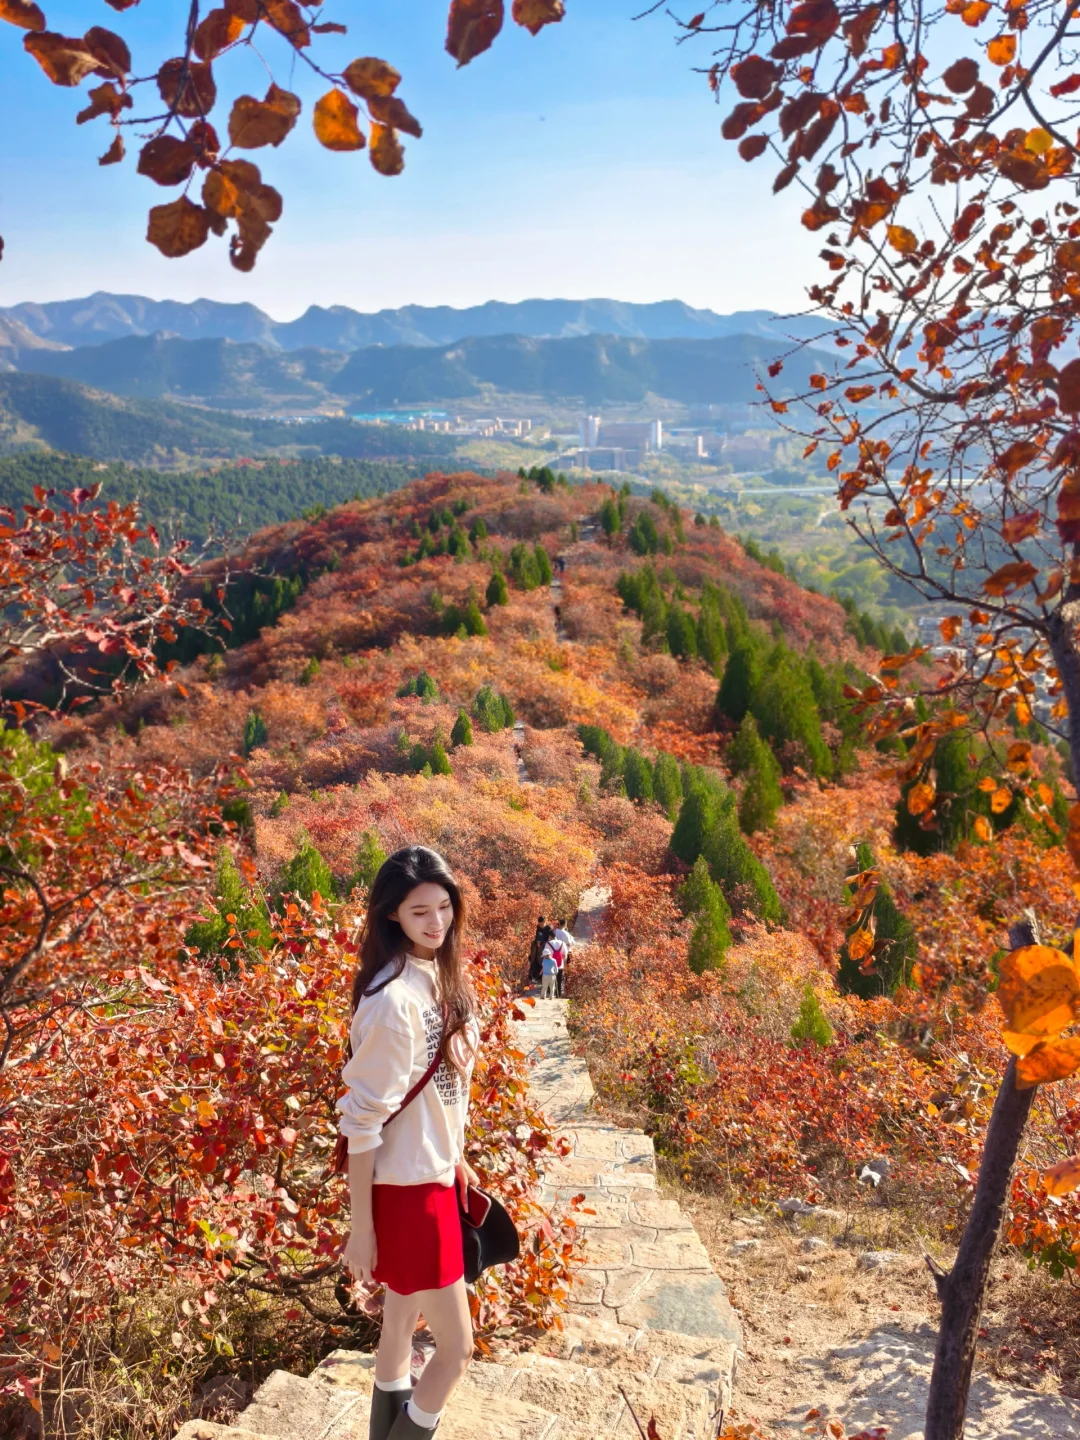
[{"x": 383, "y": 941}]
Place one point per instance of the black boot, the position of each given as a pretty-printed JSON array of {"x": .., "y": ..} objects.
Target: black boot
[
  {"x": 386, "y": 1406},
  {"x": 406, "y": 1429}
]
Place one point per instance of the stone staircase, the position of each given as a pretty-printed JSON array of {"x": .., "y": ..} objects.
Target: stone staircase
[{"x": 650, "y": 1331}]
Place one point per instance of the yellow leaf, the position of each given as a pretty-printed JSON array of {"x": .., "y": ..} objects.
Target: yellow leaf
[
  {"x": 335, "y": 122},
  {"x": 1018, "y": 1044},
  {"x": 1038, "y": 141},
  {"x": 861, "y": 943},
  {"x": 1039, "y": 991},
  {"x": 902, "y": 239},
  {"x": 1050, "y": 1060}
]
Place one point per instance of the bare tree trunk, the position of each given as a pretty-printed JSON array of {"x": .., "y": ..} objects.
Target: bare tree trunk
[{"x": 961, "y": 1291}]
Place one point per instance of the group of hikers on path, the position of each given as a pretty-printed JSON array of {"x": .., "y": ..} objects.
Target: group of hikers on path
[{"x": 549, "y": 955}]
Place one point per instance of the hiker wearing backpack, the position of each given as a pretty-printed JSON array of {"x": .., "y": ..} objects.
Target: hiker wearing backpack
[
  {"x": 566, "y": 940},
  {"x": 558, "y": 950}
]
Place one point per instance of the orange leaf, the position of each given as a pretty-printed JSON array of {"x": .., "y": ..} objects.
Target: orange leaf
[
  {"x": 1012, "y": 576},
  {"x": 950, "y": 627},
  {"x": 920, "y": 798},
  {"x": 216, "y": 33},
  {"x": 394, "y": 113},
  {"x": 1021, "y": 527},
  {"x": 1038, "y": 990},
  {"x": 861, "y": 943},
  {"x": 983, "y": 828},
  {"x": 902, "y": 239},
  {"x": 1062, "y": 1178},
  {"x": 1019, "y": 1044},
  {"x": 23, "y": 13},
  {"x": 1049, "y": 1061},
  {"x": 335, "y": 122},
  {"x": 1001, "y": 50},
  {"x": 1001, "y": 800},
  {"x": 535, "y": 14}
]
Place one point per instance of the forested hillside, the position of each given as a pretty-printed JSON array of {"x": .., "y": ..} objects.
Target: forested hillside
[
  {"x": 44, "y": 411},
  {"x": 690, "y": 729}
]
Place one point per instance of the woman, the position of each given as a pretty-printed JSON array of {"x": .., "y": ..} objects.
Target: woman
[{"x": 413, "y": 1027}]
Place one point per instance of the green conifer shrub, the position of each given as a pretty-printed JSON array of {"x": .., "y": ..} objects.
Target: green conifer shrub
[
  {"x": 667, "y": 784},
  {"x": 255, "y": 732},
  {"x": 742, "y": 673},
  {"x": 637, "y": 776},
  {"x": 811, "y": 1024},
  {"x": 370, "y": 857},
  {"x": 231, "y": 897},
  {"x": 439, "y": 760},
  {"x": 895, "y": 943},
  {"x": 497, "y": 593},
  {"x": 461, "y": 734}
]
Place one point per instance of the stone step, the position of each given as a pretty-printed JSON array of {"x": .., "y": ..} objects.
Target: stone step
[{"x": 532, "y": 1396}]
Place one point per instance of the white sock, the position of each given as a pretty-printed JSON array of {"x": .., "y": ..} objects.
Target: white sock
[
  {"x": 424, "y": 1418},
  {"x": 403, "y": 1383}
]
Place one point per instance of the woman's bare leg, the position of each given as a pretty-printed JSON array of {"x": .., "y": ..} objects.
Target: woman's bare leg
[
  {"x": 400, "y": 1316},
  {"x": 448, "y": 1318}
]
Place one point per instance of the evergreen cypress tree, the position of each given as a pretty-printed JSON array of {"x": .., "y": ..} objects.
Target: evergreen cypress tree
[
  {"x": 307, "y": 872},
  {"x": 439, "y": 760},
  {"x": 610, "y": 519},
  {"x": 255, "y": 733},
  {"x": 667, "y": 784},
  {"x": 474, "y": 620},
  {"x": 742, "y": 674},
  {"x": 694, "y": 890},
  {"x": 524, "y": 567},
  {"x": 637, "y": 776},
  {"x": 370, "y": 857},
  {"x": 761, "y": 796},
  {"x": 737, "y": 870},
  {"x": 711, "y": 638},
  {"x": 783, "y": 705},
  {"x": 644, "y": 537},
  {"x": 681, "y": 633},
  {"x": 231, "y": 897},
  {"x": 491, "y": 710},
  {"x": 478, "y": 529},
  {"x": 497, "y": 593},
  {"x": 811, "y": 1022},
  {"x": 543, "y": 565},
  {"x": 895, "y": 944},
  {"x": 705, "y": 798},
  {"x": 461, "y": 734},
  {"x": 418, "y": 758},
  {"x": 710, "y": 939}
]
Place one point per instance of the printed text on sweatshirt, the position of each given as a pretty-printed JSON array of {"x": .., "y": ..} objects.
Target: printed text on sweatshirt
[{"x": 395, "y": 1034}]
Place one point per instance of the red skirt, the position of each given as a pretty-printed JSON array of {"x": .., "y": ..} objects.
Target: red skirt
[{"x": 417, "y": 1237}]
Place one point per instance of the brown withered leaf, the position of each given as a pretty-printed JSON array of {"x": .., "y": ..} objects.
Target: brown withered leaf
[
  {"x": 248, "y": 10},
  {"x": 115, "y": 152},
  {"x": 394, "y": 114},
  {"x": 535, "y": 14},
  {"x": 1069, "y": 388},
  {"x": 216, "y": 32},
  {"x": 121, "y": 4},
  {"x": 1068, "y": 508},
  {"x": 385, "y": 150},
  {"x": 192, "y": 94},
  {"x": 962, "y": 75},
  {"x": 203, "y": 139},
  {"x": 371, "y": 79},
  {"x": 104, "y": 100},
  {"x": 288, "y": 20},
  {"x": 178, "y": 228},
  {"x": 335, "y": 122},
  {"x": 1013, "y": 576},
  {"x": 23, "y": 13},
  {"x": 167, "y": 160},
  {"x": 471, "y": 28},
  {"x": 755, "y": 76},
  {"x": 329, "y": 27},
  {"x": 254, "y": 123},
  {"x": 113, "y": 55},
  {"x": 751, "y": 146},
  {"x": 65, "y": 60}
]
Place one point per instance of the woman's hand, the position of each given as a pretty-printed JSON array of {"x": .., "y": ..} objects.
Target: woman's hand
[
  {"x": 465, "y": 1176},
  {"x": 358, "y": 1254}
]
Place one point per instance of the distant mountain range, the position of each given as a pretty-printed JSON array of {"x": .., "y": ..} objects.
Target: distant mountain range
[
  {"x": 589, "y": 369},
  {"x": 102, "y": 317}
]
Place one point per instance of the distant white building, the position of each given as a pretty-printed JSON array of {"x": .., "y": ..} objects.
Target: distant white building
[{"x": 589, "y": 431}]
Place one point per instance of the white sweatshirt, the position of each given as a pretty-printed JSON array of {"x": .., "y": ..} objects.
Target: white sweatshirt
[{"x": 395, "y": 1034}]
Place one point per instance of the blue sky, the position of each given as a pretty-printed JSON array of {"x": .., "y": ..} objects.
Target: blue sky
[{"x": 587, "y": 161}]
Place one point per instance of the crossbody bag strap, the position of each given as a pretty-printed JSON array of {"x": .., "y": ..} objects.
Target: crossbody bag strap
[{"x": 427, "y": 1075}]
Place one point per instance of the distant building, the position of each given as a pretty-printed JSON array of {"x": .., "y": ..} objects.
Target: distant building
[
  {"x": 747, "y": 452},
  {"x": 590, "y": 431},
  {"x": 599, "y": 457},
  {"x": 635, "y": 434}
]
